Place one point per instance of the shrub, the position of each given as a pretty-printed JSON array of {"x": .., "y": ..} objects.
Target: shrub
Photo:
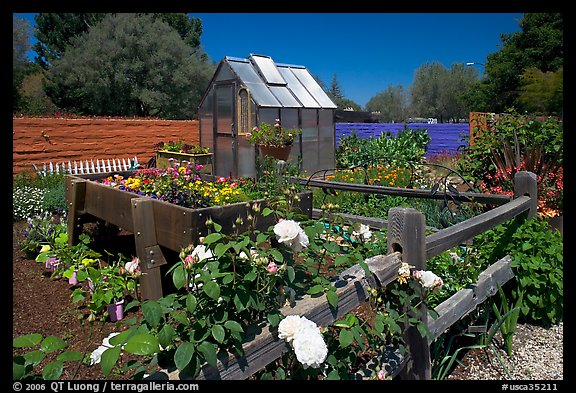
[{"x": 537, "y": 262}]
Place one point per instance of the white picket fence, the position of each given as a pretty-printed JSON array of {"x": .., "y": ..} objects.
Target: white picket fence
[{"x": 85, "y": 167}]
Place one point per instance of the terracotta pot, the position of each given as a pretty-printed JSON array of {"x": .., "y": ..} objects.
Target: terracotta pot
[{"x": 280, "y": 153}]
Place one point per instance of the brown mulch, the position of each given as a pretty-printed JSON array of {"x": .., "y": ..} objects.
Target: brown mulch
[{"x": 43, "y": 305}]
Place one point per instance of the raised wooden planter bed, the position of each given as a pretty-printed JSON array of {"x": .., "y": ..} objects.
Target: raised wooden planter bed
[
  {"x": 163, "y": 160},
  {"x": 154, "y": 223}
]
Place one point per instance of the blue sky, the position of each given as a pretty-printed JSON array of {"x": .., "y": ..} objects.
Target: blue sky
[{"x": 367, "y": 52}]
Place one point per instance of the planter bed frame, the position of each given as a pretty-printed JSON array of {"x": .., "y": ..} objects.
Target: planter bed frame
[{"x": 155, "y": 224}]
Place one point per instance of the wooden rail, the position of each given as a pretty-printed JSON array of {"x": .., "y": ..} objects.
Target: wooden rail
[{"x": 407, "y": 242}]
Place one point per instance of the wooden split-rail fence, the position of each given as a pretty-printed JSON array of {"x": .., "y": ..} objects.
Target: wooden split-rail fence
[
  {"x": 85, "y": 167},
  {"x": 407, "y": 241}
]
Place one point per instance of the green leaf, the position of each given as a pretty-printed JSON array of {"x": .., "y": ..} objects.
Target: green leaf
[
  {"x": 221, "y": 249},
  {"x": 53, "y": 370},
  {"x": 218, "y": 333},
  {"x": 27, "y": 341},
  {"x": 267, "y": 211},
  {"x": 291, "y": 273},
  {"x": 212, "y": 238},
  {"x": 152, "y": 311},
  {"x": 52, "y": 343},
  {"x": 227, "y": 278},
  {"x": 183, "y": 354},
  {"x": 316, "y": 289},
  {"x": 277, "y": 255},
  {"x": 251, "y": 276},
  {"x": 209, "y": 351},
  {"x": 211, "y": 289},
  {"x": 19, "y": 368},
  {"x": 333, "y": 375},
  {"x": 122, "y": 337},
  {"x": 34, "y": 357},
  {"x": 165, "y": 335},
  {"x": 340, "y": 260},
  {"x": 191, "y": 303},
  {"x": 217, "y": 227},
  {"x": 526, "y": 246},
  {"x": 109, "y": 359},
  {"x": 261, "y": 238},
  {"x": 241, "y": 300},
  {"x": 233, "y": 326},
  {"x": 179, "y": 277},
  {"x": 345, "y": 338},
  {"x": 332, "y": 298},
  {"x": 69, "y": 356},
  {"x": 142, "y": 344},
  {"x": 273, "y": 319}
]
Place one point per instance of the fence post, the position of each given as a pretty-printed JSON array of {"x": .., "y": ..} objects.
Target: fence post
[
  {"x": 526, "y": 183},
  {"x": 407, "y": 235}
]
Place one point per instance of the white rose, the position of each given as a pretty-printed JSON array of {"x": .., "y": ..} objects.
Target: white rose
[
  {"x": 201, "y": 252},
  {"x": 363, "y": 233},
  {"x": 289, "y": 326},
  {"x": 429, "y": 280},
  {"x": 290, "y": 233},
  {"x": 310, "y": 348}
]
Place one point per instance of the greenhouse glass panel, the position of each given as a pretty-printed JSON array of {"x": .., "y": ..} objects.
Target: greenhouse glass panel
[
  {"x": 313, "y": 87},
  {"x": 206, "y": 122},
  {"x": 224, "y": 159},
  {"x": 268, "y": 70},
  {"x": 285, "y": 97},
  {"x": 301, "y": 93},
  {"x": 262, "y": 95},
  {"x": 309, "y": 140},
  {"x": 289, "y": 119},
  {"x": 224, "y": 73},
  {"x": 246, "y": 158},
  {"x": 224, "y": 108},
  {"x": 268, "y": 115},
  {"x": 245, "y": 72},
  {"x": 326, "y": 142}
]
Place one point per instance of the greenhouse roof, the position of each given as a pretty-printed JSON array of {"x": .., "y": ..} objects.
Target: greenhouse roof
[{"x": 279, "y": 85}]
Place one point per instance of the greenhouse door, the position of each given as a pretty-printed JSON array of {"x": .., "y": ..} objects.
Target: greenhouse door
[{"x": 225, "y": 131}]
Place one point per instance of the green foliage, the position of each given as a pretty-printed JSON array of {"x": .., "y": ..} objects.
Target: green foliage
[
  {"x": 437, "y": 91},
  {"x": 407, "y": 145},
  {"x": 542, "y": 91},
  {"x": 33, "y": 195},
  {"x": 32, "y": 349},
  {"x": 507, "y": 318},
  {"x": 540, "y": 45},
  {"x": 537, "y": 262},
  {"x": 42, "y": 230},
  {"x": 391, "y": 104},
  {"x": 512, "y": 143},
  {"x": 273, "y": 135},
  {"x": 124, "y": 79}
]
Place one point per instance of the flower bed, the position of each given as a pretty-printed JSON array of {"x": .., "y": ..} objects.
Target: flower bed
[{"x": 148, "y": 203}]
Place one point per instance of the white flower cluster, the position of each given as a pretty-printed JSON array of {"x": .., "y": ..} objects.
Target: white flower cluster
[
  {"x": 306, "y": 339},
  {"x": 290, "y": 233},
  {"x": 363, "y": 233},
  {"x": 428, "y": 279}
]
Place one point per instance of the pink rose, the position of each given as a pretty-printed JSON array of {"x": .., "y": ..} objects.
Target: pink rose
[{"x": 272, "y": 268}]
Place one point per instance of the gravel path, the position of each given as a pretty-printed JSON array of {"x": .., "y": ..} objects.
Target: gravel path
[{"x": 537, "y": 355}]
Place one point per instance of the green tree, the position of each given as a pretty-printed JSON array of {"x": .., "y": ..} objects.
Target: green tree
[
  {"x": 541, "y": 92},
  {"x": 391, "y": 104},
  {"x": 426, "y": 91},
  {"x": 130, "y": 65},
  {"x": 21, "y": 31},
  {"x": 55, "y": 31},
  {"x": 539, "y": 44},
  {"x": 335, "y": 89}
]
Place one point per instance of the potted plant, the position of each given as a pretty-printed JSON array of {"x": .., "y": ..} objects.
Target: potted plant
[
  {"x": 273, "y": 140},
  {"x": 167, "y": 154},
  {"x": 108, "y": 287}
]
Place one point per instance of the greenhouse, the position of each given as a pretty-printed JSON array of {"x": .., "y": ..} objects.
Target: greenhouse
[{"x": 244, "y": 93}]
